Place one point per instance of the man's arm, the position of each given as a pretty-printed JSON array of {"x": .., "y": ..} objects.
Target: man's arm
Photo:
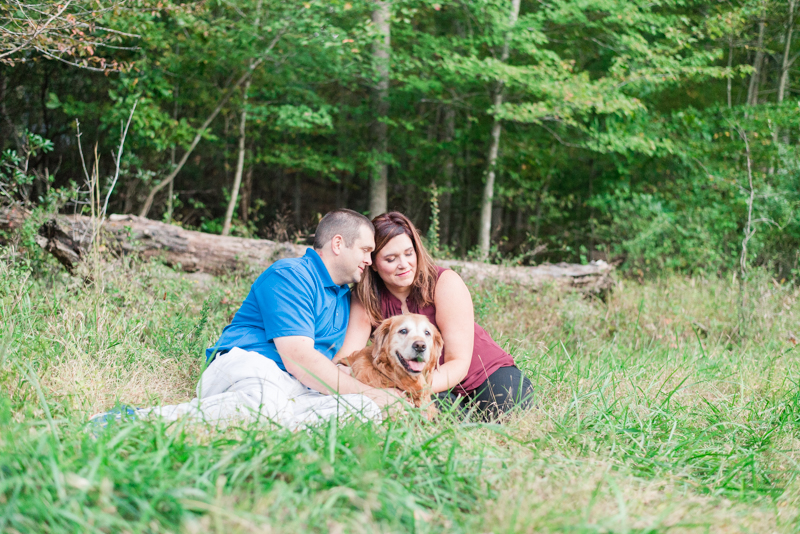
[{"x": 317, "y": 372}]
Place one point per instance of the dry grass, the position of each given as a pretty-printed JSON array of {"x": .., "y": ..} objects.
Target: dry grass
[{"x": 653, "y": 414}]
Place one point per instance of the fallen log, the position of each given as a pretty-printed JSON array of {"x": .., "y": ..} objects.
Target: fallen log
[
  {"x": 594, "y": 277},
  {"x": 12, "y": 218},
  {"x": 69, "y": 238}
]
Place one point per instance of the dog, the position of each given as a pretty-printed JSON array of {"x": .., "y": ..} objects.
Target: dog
[{"x": 405, "y": 350}]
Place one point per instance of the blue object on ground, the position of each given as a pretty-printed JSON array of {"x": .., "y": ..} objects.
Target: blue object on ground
[{"x": 118, "y": 413}]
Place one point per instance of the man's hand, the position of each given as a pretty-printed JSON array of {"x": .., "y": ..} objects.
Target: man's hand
[
  {"x": 345, "y": 369},
  {"x": 391, "y": 401},
  {"x": 317, "y": 372}
]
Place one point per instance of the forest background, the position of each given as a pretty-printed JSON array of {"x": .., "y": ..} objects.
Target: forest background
[{"x": 659, "y": 133}]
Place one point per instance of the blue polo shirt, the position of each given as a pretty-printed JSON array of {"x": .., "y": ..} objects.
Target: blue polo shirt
[{"x": 294, "y": 297}]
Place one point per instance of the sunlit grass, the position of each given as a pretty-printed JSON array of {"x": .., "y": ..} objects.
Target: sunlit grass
[{"x": 652, "y": 414}]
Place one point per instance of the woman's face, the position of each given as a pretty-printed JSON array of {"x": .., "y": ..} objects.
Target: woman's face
[{"x": 396, "y": 262}]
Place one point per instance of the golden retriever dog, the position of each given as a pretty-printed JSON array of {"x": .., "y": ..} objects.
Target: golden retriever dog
[{"x": 405, "y": 350}]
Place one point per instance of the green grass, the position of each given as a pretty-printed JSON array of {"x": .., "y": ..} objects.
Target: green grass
[{"x": 653, "y": 414}]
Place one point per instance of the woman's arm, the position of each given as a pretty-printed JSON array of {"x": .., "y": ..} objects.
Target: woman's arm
[
  {"x": 358, "y": 328},
  {"x": 456, "y": 319}
]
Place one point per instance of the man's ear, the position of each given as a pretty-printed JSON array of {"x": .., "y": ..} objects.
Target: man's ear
[
  {"x": 381, "y": 336},
  {"x": 337, "y": 244}
]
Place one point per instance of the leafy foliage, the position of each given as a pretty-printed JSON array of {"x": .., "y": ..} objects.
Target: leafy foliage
[{"x": 614, "y": 118}]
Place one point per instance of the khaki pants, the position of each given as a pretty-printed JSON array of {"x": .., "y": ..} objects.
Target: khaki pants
[{"x": 242, "y": 385}]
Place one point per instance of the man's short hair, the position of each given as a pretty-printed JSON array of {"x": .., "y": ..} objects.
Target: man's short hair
[{"x": 344, "y": 222}]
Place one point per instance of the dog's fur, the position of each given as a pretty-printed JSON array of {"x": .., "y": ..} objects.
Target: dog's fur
[{"x": 405, "y": 350}]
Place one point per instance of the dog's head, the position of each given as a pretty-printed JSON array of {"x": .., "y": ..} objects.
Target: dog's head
[{"x": 407, "y": 345}]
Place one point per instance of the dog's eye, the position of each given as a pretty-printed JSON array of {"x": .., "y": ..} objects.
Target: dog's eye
[
  {"x": 403, "y": 331},
  {"x": 427, "y": 333}
]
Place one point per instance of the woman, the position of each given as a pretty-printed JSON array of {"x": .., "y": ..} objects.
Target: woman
[{"x": 474, "y": 372}]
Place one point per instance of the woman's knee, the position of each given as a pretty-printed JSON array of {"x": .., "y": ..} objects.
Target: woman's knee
[{"x": 505, "y": 390}]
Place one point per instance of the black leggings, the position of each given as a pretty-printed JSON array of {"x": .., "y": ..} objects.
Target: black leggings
[{"x": 504, "y": 390}]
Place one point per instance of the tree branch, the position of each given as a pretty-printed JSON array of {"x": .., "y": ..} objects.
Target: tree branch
[
  {"x": 38, "y": 31},
  {"x": 148, "y": 203}
]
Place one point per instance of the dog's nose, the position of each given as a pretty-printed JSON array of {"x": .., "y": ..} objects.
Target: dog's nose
[{"x": 419, "y": 346}]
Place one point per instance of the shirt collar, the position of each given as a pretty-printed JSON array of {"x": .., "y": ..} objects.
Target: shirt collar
[{"x": 320, "y": 268}]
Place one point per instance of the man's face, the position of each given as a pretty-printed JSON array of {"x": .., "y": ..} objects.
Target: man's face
[{"x": 354, "y": 260}]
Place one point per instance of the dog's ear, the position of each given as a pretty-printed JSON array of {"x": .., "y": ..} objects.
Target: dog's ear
[
  {"x": 438, "y": 346},
  {"x": 381, "y": 335}
]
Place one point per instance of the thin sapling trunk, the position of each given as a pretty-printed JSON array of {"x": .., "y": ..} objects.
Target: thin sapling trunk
[
  {"x": 148, "y": 203},
  {"x": 494, "y": 148},
  {"x": 237, "y": 179},
  {"x": 378, "y": 196},
  {"x": 752, "y": 91}
]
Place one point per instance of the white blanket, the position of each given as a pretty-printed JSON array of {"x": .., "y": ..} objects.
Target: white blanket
[{"x": 246, "y": 386}]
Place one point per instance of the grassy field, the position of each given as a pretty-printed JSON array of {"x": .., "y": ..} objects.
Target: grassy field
[{"x": 654, "y": 414}]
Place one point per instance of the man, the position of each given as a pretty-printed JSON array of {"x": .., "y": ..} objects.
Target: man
[{"x": 274, "y": 359}]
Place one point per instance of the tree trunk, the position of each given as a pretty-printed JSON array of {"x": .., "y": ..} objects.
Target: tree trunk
[
  {"x": 752, "y": 91},
  {"x": 784, "y": 82},
  {"x": 466, "y": 192},
  {"x": 3, "y": 112},
  {"x": 592, "y": 171},
  {"x": 520, "y": 224},
  {"x": 237, "y": 179},
  {"x": 130, "y": 196},
  {"x": 171, "y": 189},
  {"x": 449, "y": 166},
  {"x": 494, "y": 147},
  {"x": 247, "y": 195},
  {"x": 40, "y": 183},
  {"x": 539, "y": 206},
  {"x": 497, "y": 220},
  {"x": 378, "y": 197},
  {"x": 730, "y": 63},
  {"x": 343, "y": 190},
  {"x": 280, "y": 186},
  {"x": 13, "y": 131},
  {"x": 297, "y": 201},
  {"x": 69, "y": 239}
]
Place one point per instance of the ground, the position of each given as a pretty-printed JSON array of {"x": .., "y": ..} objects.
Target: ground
[{"x": 666, "y": 407}]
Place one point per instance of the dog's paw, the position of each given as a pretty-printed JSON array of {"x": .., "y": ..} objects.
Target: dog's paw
[{"x": 431, "y": 412}]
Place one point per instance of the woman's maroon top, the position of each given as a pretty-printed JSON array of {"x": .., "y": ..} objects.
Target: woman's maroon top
[{"x": 487, "y": 356}]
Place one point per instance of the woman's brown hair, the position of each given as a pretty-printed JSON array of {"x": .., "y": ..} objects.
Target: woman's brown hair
[{"x": 387, "y": 227}]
